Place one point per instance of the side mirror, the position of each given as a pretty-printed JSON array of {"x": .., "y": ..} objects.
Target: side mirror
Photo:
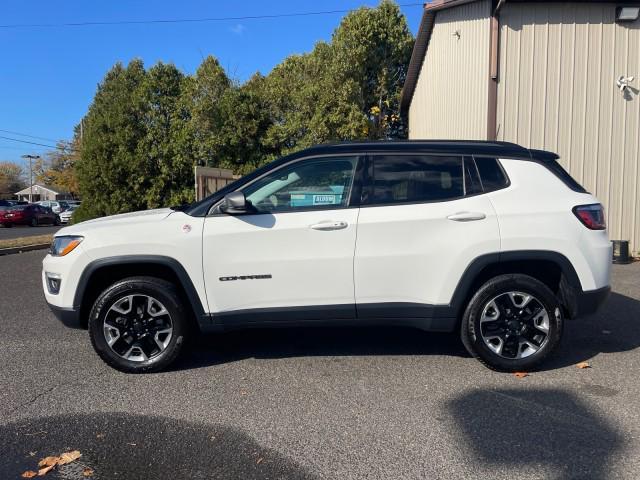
[{"x": 234, "y": 203}]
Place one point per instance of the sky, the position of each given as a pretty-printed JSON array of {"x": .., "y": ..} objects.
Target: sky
[{"x": 48, "y": 75}]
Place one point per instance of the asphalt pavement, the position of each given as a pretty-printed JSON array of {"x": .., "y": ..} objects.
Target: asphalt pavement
[
  {"x": 318, "y": 403},
  {"x": 26, "y": 231}
]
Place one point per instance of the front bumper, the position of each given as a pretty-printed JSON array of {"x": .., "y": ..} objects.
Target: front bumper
[{"x": 70, "y": 317}]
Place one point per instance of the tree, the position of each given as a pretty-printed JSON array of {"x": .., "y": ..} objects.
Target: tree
[
  {"x": 57, "y": 168},
  {"x": 372, "y": 48},
  {"x": 108, "y": 169},
  {"x": 348, "y": 89},
  {"x": 146, "y": 129},
  {"x": 200, "y": 103},
  {"x": 11, "y": 178}
]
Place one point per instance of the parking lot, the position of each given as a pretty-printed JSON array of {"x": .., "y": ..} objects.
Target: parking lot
[
  {"x": 20, "y": 231},
  {"x": 325, "y": 403}
]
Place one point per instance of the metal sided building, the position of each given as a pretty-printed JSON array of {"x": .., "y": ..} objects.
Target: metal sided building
[{"x": 559, "y": 76}]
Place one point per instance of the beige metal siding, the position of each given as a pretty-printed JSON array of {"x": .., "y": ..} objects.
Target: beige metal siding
[
  {"x": 450, "y": 99},
  {"x": 556, "y": 91}
]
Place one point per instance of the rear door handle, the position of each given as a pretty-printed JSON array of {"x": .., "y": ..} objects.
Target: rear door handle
[
  {"x": 329, "y": 226},
  {"x": 467, "y": 216}
]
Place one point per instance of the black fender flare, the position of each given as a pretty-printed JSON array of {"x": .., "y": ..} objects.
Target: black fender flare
[
  {"x": 202, "y": 317},
  {"x": 570, "y": 283}
]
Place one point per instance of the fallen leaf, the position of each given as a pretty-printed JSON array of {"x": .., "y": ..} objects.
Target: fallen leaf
[
  {"x": 32, "y": 454},
  {"x": 243, "y": 392},
  {"x": 43, "y": 471},
  {"x": 132, "y": 444},
  {"x": 29, "y": 474},
  {"x": 87, "y": 472},
  {"x": 259, "y": 461},
  {"x": 520, "y": 374},
  {"x": 48, "y": 462},
  {"x": 69, "y": 457},
  {"x": 99, "y": 435},
  {"x": 583, "y": 365}
]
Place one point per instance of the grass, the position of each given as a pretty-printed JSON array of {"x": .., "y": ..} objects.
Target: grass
[{"x": 24, "y": 241}]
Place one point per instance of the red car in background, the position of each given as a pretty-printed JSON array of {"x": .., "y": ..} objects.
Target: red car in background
[{"x": 31, "y": 214}]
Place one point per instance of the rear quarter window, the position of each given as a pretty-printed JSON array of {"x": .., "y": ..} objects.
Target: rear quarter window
[{"x": 563, "y": 175}]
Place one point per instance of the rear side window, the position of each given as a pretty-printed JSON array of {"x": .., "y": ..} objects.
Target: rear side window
[
  {"x": 491, "y": 174},
  {"x": 413, "y": 179}
]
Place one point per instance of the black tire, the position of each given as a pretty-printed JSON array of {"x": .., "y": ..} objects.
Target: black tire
[
  {"x": 496, "y": 289},
  {"x": 33, "y": 222},
  {"x": 56, "y": 222},
  {"x": 161, "y": 290}
]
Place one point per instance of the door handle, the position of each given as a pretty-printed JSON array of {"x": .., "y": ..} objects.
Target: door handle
[
  {"x": 467, "y": 216},
  {"x": 329, "y": 226}
]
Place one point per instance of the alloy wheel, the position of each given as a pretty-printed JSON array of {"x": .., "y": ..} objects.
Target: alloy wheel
[
  {"x": 138, "y": 327},
  {"x": 515, "y": 325}
]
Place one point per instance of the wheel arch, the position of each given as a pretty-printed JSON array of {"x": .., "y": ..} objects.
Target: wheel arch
[
  {"x": 551, "y": 268},
  {"x": 101, "y": 273}
]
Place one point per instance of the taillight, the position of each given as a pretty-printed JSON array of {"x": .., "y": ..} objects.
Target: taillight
[{"x": 591, "y": 216}]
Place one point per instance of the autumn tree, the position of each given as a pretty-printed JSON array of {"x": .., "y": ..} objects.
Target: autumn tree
[
  {"x": 11, "y": 178},
  {"x": 57, "y": 167}
]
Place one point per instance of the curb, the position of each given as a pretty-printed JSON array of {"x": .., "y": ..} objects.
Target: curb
[{"x": 25, "y": 248}]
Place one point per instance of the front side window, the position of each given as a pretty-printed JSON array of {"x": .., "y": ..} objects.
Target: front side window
[
  {"x": 317, "y": 183},
  {"x": 414, "y": 179}
]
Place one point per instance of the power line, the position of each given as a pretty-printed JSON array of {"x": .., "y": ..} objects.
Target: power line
[
  {"x": 186, "y": 20},
  {"x": 35, "y": 143},
  {"x": 28, "y": 136},
  {"x": 15, "y": 147}
]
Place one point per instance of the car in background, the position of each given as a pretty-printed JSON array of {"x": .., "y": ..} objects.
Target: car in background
[
  {"x": 31, "y": 214},
  {"x": 67, "y": 215},
  {"x": 57, "y": 206}
]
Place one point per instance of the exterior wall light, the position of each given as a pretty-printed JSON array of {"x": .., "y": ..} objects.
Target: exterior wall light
[{"x": 627, "y": 14}]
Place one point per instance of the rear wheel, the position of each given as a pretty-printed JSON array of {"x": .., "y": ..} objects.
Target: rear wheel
[
  {"x": 512, "y": 323},
  {"x": 137, "y": 325}
]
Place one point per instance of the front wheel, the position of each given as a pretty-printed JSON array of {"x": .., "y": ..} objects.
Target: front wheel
[
  {"x": 512, "y": 323},
  {"x": 138, "y": 325}
]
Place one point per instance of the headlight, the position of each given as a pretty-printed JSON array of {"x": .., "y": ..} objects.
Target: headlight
[{"x": 63, "y": 245}]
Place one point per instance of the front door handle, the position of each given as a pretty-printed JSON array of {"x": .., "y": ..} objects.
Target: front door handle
[
  {"x": 467, "y": 216},
  {"x": 329, "y": 226}
]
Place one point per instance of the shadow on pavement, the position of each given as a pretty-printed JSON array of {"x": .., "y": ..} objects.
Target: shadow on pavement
[
  {"x": 614, "y": 329},
  {"x": 319, "y": 341},
  {"x": 131, "y": 447},
  {"x": 545, "y": 433}
]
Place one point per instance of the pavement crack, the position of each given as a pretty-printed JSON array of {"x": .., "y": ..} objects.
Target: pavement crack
[{"x": 46, "y": 392}]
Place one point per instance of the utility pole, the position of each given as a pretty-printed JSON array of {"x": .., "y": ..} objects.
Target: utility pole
[{"x": 31, "y": 157}]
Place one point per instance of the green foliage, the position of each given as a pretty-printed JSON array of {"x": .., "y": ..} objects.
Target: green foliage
[{"x": 147, "y": 129}]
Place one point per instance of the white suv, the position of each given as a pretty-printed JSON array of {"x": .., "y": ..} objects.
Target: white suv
[{"x": 492, "y": 240}]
